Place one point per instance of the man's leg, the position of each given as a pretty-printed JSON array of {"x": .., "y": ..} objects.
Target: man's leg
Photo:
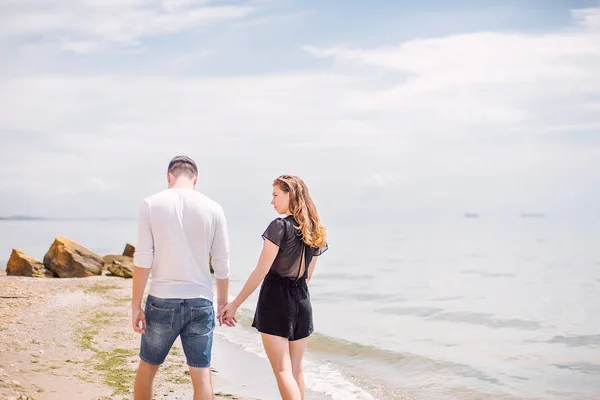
[
  {"x": 201, "y": 383},
  {"x": 196, "y": 340},
  {"x": 156, "y": 343},
  {"x": 143, "y": 381}
]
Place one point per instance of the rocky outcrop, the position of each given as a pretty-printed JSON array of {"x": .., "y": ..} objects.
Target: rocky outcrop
[
  {"x": 129, "y": 250},
  {"x": 20, "y": 264},
  {"x": 119, "y": 265},
  {"x": 69, "y": 259}
]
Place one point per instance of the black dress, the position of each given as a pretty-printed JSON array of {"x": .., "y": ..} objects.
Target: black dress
[{"x": 284, "y": 307}]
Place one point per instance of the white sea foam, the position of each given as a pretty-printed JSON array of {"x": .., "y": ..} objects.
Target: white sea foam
[{"x": 319, "y": 376}]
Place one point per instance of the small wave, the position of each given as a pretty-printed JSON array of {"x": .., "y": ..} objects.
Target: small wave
[
  {"x": 577, "y": 340},
  {"x": 482, "y": 319},
  {"x": 586, "y": 368},
  {"x": 326, "y": 344},
  {"x": 448, "y": 298},
  {"x": 354, "y": 296},
  {"x": 320, "y": 377},
  {"x": 325, "y": 378},
  {"x": 344, "y": 277},
  {"x": 322, "y": 343},
  {"x": 488, "y": 274},
  {"x": 344, "y": 369}
]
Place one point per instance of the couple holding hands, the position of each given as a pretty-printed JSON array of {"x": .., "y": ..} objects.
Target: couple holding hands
[{"x": 179, "y": 230}]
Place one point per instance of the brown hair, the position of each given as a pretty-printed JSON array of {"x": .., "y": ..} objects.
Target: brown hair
[
  {"x": 183, "y": 165},
  {"x": 302, "y": 207}
]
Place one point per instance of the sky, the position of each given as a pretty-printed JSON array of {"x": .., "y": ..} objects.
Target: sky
[{"x": 382, "y": 107}]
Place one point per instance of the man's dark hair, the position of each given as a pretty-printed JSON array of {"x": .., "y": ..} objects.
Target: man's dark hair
[{"x": 183, "y": 165}]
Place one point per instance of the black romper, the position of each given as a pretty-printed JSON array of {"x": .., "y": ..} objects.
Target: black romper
[{"x": 283, "y": 307}]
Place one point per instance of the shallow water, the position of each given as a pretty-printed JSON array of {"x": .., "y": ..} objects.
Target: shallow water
[{"x": 451, "y": 308}]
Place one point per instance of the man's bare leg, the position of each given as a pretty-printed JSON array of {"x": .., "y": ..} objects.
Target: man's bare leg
[
  {"x": 201, "y": 383},
  {"x": 144, "y": 380}
]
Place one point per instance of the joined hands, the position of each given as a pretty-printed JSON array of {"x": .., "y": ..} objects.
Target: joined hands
[{"x": 226, "y": 314}]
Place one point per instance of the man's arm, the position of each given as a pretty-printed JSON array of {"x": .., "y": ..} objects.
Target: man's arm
[
  {"x": 142, "y": 261},
  {"x": 219, "y": 252},
  {"x": 138, "y": 318},
  {"x": 222, "y": 292}
]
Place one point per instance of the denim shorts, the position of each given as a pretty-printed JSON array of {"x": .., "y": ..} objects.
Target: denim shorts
[{"x": 166, "y": 319}]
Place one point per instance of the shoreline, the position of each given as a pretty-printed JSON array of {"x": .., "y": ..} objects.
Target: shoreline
[{"x": 72, "y": 338}]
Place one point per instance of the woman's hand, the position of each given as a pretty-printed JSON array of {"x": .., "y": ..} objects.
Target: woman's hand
[
  {"x": 226, "y": 314},
  {"x": 219, "y": 316}
]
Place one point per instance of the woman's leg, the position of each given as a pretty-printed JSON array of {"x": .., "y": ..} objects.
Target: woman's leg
[
  {"x": 277, "y": 349},
  {"x": 297, "y": 348}
]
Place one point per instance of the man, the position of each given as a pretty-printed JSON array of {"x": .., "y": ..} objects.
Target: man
[{"x": 179, "y": 230}]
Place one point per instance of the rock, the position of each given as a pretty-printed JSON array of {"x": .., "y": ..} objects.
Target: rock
[
  {"x": 69, "y": 259},
  {"x": 119, "y": 265},
  {"x": 20, "y": 264},
  {"x": 129, "y": 250}
]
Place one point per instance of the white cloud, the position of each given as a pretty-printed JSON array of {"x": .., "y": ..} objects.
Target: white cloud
[
  {"x": 380, "y": 180},
  {"x": 57, "y": 187},
  {"x": 485, "y": 114},
  {"x": 299, "y": 106},
  {"x": 83, "y": 46},
  {"x": 588, "y": 18},
  {"x": 97, "y": 185},
  {"x": 84, "y": 26},
  {"x": 123, "y": 130},
  {"x": 496, "y": 79}
]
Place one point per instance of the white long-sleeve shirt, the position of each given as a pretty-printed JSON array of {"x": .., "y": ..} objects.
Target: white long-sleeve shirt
[{"x": 178, "y": 231}]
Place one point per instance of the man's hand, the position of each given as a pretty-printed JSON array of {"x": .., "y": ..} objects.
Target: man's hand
[
  {"x": 138, "y": 320},
  {"x": 227, "y": 314},
  {"x": 140, "y": 278},
  {"x": 225, "y": 320}
]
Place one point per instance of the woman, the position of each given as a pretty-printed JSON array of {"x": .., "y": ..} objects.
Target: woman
[{"x": 287, "y": 262}]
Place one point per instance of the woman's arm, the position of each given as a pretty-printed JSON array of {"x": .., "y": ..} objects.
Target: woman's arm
[
  {"x": 267, "y": 256},
  {"x": 311, "y": 268}
]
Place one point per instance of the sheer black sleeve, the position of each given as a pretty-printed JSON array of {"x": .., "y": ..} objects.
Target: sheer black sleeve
[
  {"x": 275, "y": 232},
  {"x": 318, "y": 251}
]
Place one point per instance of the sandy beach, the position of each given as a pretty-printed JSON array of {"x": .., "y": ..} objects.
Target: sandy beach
[{"x": 71, "y": 339}]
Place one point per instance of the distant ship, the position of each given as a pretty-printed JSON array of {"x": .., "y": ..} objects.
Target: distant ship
[
  {"x": 471, "y": 215},
  {"x": 533, "y": 215},
  {"x": 20, "y": 218}
]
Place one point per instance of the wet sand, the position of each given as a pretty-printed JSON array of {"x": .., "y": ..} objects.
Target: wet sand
[{"x": 72, "y": 339}]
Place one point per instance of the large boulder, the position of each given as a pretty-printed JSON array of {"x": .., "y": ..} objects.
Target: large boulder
[
  {"x": 119, "y": 265},
  {"x": 20, "y": 264},
  {"x": 69, "y": 259},
  {"x": 129, "y": 250}
]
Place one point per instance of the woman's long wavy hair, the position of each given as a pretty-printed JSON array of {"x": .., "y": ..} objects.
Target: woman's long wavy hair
[{"x": 302, "y": 207}]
